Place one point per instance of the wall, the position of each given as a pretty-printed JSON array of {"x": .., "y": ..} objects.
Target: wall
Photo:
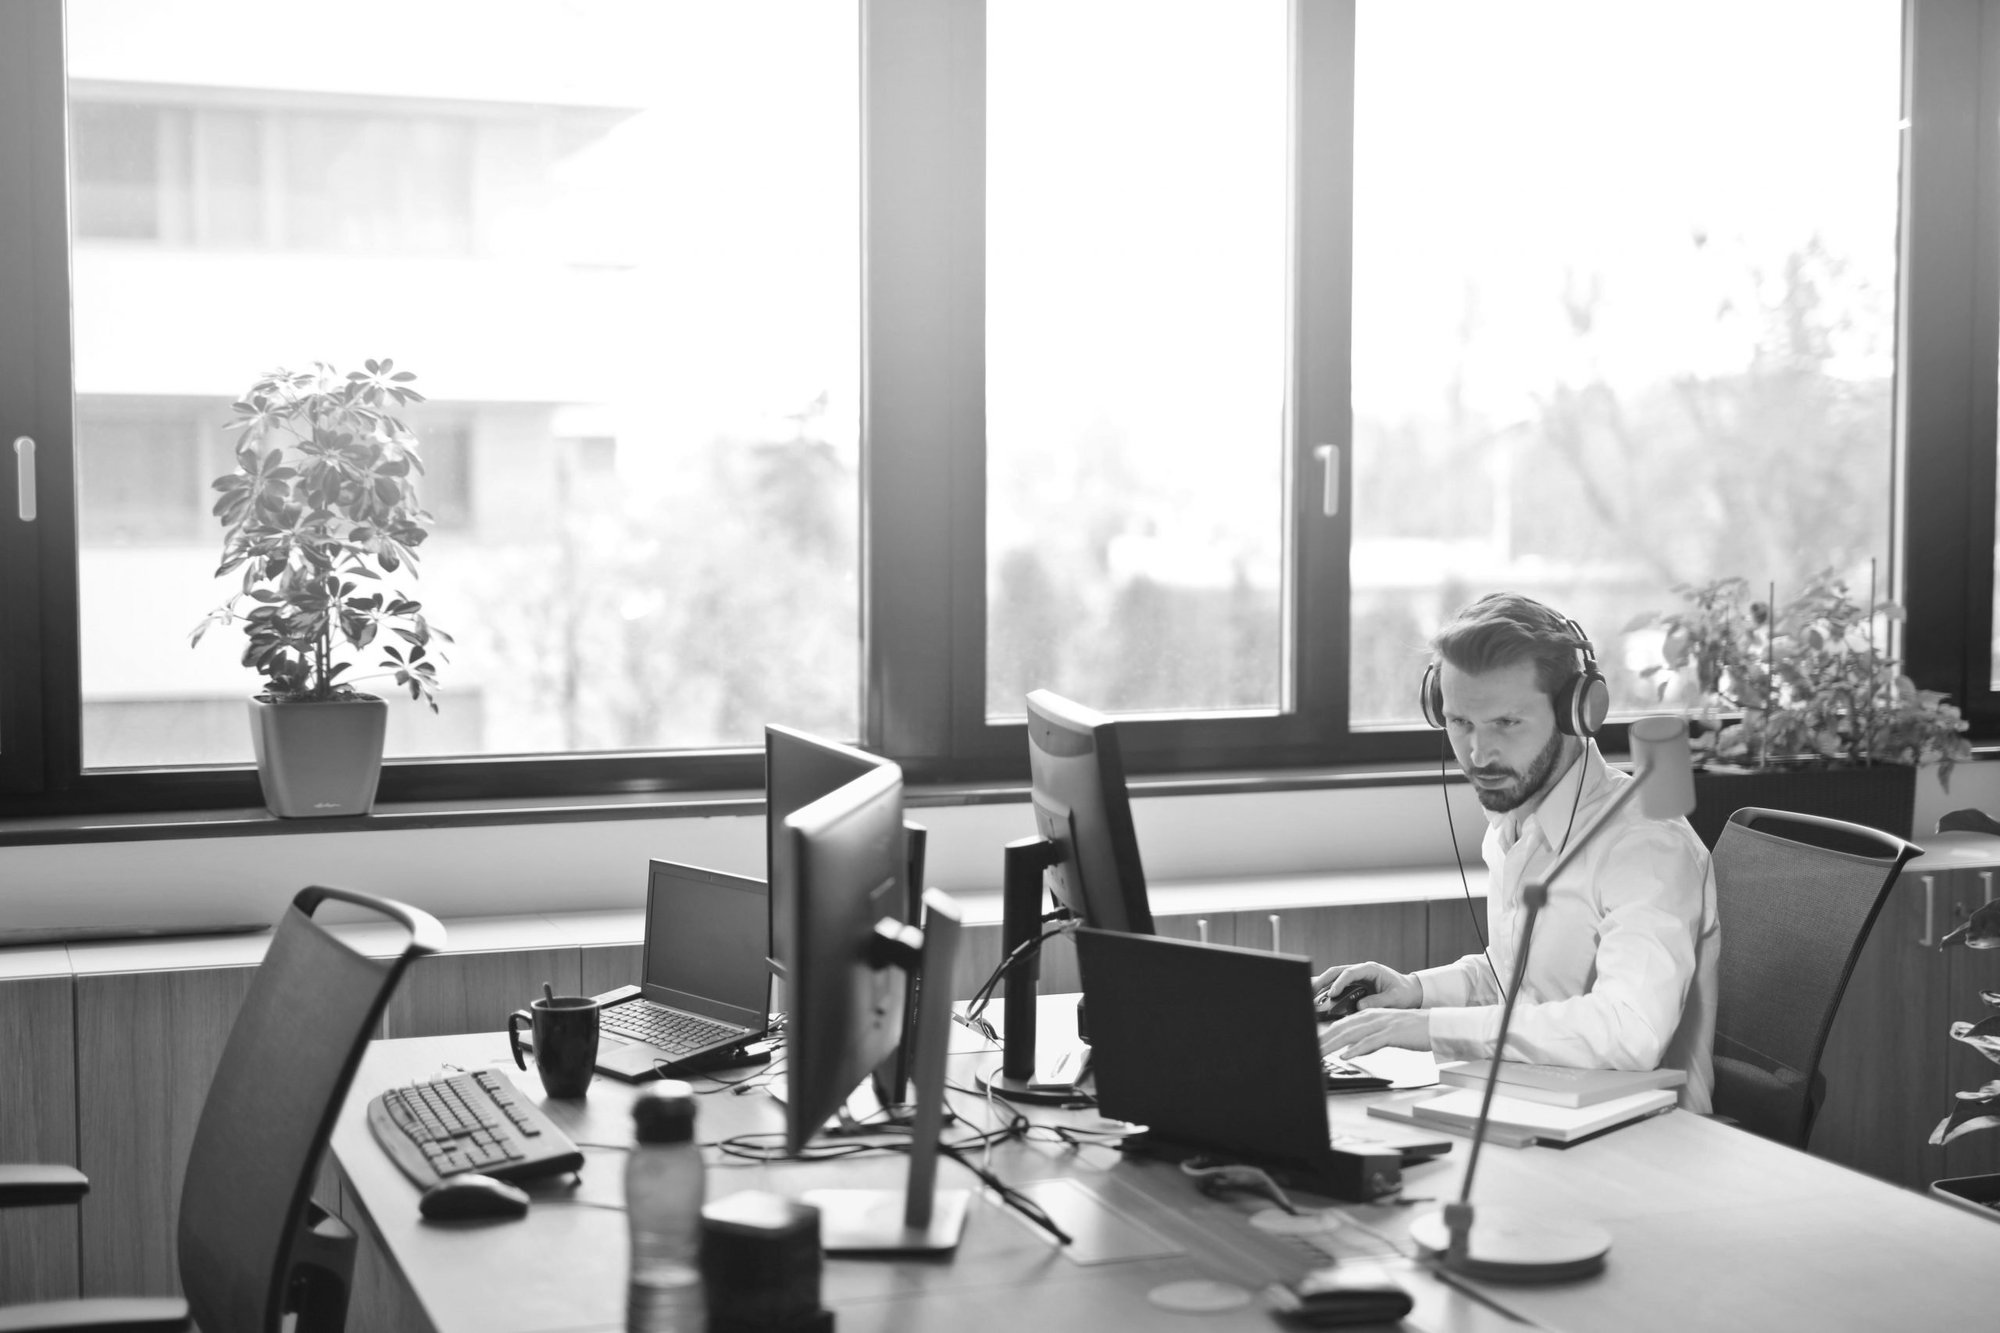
[{"x": 600, "y": 864}]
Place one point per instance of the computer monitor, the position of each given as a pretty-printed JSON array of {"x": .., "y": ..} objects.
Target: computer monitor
[
  {"x": 1087, "y": 856},
  {"x": 841, "y": 861},
  {"x": 1077, "y": 777},
  {"x": 800, "y": 768}
]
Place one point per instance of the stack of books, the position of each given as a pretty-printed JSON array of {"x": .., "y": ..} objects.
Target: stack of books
[{"x": 1538, "y": 1103}]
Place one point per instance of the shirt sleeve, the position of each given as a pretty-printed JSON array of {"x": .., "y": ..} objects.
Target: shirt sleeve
[
  {"x": 1468, "y": 981},
  {"x": 1649, "y": 883}
]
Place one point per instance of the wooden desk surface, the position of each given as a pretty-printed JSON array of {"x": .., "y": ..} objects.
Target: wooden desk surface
[{"x": 1713, "y": 1228}]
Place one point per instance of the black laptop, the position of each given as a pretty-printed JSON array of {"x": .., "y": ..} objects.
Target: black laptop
[
  {"x": 1214, "y": 1049},
  {"x": 704, "y": 988}
]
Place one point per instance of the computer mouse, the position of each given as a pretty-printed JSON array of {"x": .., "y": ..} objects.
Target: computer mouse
[
  {"x": 471, "y": 1195},
  {"x": 1331, "y": 1008}
]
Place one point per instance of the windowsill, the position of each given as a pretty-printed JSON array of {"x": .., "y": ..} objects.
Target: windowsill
[{"x": 46, "y": 830}]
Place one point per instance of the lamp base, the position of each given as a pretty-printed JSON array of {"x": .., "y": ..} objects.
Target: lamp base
[{"x": 1506, "y": 1245}]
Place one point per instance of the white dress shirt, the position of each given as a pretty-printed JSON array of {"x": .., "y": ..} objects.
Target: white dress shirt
[{"x": 1621, "y": 972}]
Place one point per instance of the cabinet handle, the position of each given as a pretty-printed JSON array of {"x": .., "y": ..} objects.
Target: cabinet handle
[
  {"x": 1929, "y": 939},
  {"x": 24, "y": 473},
  {"x": 1201, "y": 929},
  {"x": 1274, "y": 934},
  {"x": 1986, "y": 882}
]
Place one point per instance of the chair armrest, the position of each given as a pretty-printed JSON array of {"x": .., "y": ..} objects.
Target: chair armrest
[
  {"x": 27, "y": 1186},
  {"x": 100, "y": 1314}
]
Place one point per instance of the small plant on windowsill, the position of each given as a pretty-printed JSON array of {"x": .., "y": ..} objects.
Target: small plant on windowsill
[
  {"x": 321, "y": 508},
  {"x": 1802, "y": 686},
  {"x": 1976, "y": 1108}
]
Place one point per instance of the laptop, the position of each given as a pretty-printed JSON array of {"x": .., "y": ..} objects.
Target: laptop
[
  {"x": 1214, "y": 1049},
  {"x": 704, "y": 988}
]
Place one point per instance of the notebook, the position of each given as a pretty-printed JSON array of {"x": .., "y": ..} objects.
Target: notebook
[
  {"x": 1559, "y": 1085},
  {"x": 704, "y": 987},
  {"x": 1516, "y": 1123},
  {"x": 1215, "y": 1050}
]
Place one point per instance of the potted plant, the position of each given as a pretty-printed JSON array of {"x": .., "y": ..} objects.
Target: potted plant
[
  {"x": 1781, "y": 695},
  {"x": 1977, "y": 1108},
  {"x": 320, "y": 510}
]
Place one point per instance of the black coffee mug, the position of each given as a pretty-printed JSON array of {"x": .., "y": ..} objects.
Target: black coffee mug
[{"x": 565, "y": 1041}]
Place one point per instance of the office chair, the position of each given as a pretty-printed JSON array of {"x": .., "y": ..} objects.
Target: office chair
[
  {"x": 1795, "y": 895},
  {"x": 253, "y": 1247}
]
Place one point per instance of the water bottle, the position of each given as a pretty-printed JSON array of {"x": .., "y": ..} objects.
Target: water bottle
[{"x": 663, "y": 1197}]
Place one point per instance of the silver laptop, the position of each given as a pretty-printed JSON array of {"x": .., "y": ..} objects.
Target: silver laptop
[{"x": 704, "y": 988}]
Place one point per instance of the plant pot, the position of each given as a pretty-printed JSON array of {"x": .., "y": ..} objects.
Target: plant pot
[
  {"x": 1880, "y": 796},
  {"x": 319, "y": 759},
  {"x": 1975, "y": 1194}
]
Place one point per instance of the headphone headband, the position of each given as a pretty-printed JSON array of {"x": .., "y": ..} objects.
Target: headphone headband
[{"x": 1581, "y": 703}]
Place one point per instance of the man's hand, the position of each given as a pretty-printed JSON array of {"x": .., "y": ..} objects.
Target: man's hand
[
  {"x": 1393, "y": 990},
  {"x": 1372, "y": 1029}
]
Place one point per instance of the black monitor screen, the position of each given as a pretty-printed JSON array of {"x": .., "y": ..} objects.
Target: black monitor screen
[
  {"x": 799, "y": 769},
  {"x": 1081, "y": 805},
  {"x": 705, "y": 939}
]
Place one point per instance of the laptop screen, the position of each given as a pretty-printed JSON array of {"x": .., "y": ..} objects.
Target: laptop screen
[{"x": 705, "y": 938}]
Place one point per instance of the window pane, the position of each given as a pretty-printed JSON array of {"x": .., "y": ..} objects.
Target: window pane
[
  {"x": 1135, "y": 304},
  {"x": 1623, "y": 316},
  {"x": 616, "y": 240}
]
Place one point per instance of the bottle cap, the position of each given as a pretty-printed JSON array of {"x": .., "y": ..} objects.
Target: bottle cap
[{"x": 665, "y": 1115}]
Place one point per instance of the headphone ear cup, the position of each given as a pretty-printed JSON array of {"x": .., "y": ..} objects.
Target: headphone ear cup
[
  {"x": 1593, "y": 701},
  {"x": 1430, "y": 697}
]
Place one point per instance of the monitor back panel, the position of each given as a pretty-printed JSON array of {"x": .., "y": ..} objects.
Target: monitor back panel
[{"x": 1207, "y": 1045}]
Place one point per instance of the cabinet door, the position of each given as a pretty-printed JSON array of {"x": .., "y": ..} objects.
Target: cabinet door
[
  {"x": 147, "y": 1044},
  {"x": 474, "y": 992},
  {"x": 1389, "y": 933},
  {"x": 38, "y": 1256},
  {"x": 1885, "y": 1059},
  {"x": 1968, "y": 972},
  {"x": 1455, "y": 929}
]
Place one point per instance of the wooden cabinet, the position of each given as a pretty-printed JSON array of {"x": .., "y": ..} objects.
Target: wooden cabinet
[
  {"x": 38, "y": 1246},
  {"x": 1890, "y": 1064},
  {"x": 147, "y": 1044}
]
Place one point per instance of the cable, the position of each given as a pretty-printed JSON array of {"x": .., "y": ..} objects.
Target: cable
[
  {"x": 984, "y": 994},
  {"x": 1444, "y": 750}
]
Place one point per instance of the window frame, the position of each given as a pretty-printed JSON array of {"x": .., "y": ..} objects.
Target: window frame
[{"x": 922, "y": 558}]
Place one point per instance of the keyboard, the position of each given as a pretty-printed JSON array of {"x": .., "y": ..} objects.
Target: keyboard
[
  {"x": 469, "y": 1122},
  {"x": 669, "y": 1029}
]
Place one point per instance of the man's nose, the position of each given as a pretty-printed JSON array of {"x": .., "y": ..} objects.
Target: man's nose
[{"x": 1481, "y": 750}]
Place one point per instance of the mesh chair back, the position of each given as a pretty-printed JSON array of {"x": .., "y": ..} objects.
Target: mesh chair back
[
  {"x": 285, "y": 1070},
  {"x": 1795, "y": 895}
]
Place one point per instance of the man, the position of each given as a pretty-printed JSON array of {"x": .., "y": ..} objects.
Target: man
[{"x": 1621, "y": 972}]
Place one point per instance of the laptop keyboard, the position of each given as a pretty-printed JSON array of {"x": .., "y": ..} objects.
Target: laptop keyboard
[{"x": 669, "y": 1029}]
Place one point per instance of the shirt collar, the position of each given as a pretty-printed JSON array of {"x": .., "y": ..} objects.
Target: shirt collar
[{"x": 1551, "y": 813}]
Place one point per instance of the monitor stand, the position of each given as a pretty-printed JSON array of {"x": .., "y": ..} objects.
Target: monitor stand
[
  {"x": 921, "y": 1218},
  {"x": 1022, "y": 894}
]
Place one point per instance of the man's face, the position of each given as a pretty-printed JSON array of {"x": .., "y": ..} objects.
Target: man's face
[{"x": 1503, "y": 730}]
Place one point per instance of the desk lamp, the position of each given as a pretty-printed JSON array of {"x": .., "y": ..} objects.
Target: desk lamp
[{"x": 1510, "y": 1245}]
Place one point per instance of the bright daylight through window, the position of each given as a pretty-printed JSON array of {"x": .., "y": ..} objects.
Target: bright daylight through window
[
  {"x": 1135, "y": 342},
  {"x": 1624, "y": 311},
  {"x": 617, "y": 242}
]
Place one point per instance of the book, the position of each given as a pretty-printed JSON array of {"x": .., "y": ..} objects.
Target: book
[
  {"x": 1559, "y": 1085},
  {"x": 1513, "y": 1119}
]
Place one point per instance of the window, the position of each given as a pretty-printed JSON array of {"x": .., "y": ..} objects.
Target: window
[
  {"x": 1615, "y": 351},
  {"x": 861, "y": 367}
]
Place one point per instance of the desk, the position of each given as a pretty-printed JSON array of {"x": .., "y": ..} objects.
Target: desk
[{"x": 1713, "y": 1229}]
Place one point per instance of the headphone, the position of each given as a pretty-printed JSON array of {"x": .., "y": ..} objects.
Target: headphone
[{"x": 1581, "y": 704}]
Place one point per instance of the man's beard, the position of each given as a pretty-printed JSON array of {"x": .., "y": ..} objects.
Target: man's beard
[{"x": 1526, "y": 785}]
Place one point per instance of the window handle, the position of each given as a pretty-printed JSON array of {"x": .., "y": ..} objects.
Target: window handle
[
  {"x": 1329, "y": 457},
  {"x": 24, "y": 469}
]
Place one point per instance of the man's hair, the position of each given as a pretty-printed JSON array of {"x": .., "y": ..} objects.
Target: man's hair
[{"x": 1503, "y": 628}]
